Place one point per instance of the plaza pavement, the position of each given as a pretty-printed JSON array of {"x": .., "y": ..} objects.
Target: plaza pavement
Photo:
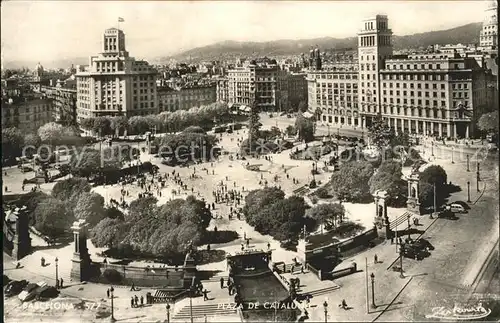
[{"x": 353, "y": 287}]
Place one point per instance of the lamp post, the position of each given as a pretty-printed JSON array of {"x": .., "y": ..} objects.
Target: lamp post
[
  {"x": 57, "y": 274},
  {"x": 477, "y": 172},
  {"x": 408, "y": 219},
  {"x": 111, "y": 290},
  {"x": 468, "y": 169},
  {"x": 468, "y": 191},
  {"x": 191, "y": 289},
  {"x": 325, "y": 307},
  {"x": 168, "y": 312},
  {"x": 401, "y": 252},
  {"x": 452, "y": 161},
  {"x": 432, "y": 148},
  {"x": 372, "y": 276}
]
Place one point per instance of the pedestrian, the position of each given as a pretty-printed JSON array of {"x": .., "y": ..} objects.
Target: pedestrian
[
  {"x": 18, "y": 265},
  {"x": 57, "y": 283},
  {"x": 142, "y": 300},
  {"x": 131, "y": 301},
  {"x": 268, "y": 246},
  {"x": 375, "y": 259},
  {"x": 42, "y": 261},
  {"x": 302, "y": 269},
  {"x": 205, "y": 297},
  {"x": 136, "y": 300},
  {"x": 221, "y": 282},
  {"x": 107, "y": 292},
  {"x": 61, "y": 284},
  {"x": 292, "y": 269},
  {"x": 132, "y": 288},
  {"x": 242, "y": 247},
  {"x": 344, "y": 304}
]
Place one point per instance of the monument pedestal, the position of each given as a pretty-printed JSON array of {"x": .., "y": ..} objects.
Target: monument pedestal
[{"x": 81, "y": 263}]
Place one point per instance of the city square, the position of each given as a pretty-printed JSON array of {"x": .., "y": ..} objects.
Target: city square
[{"x": 255, "y": 190}]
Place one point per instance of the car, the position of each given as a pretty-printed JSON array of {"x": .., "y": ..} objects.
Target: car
[
  {"x": 46, "y": 292},
  {"x": 457, "y": 208},
  {"x": 411, "y": 251},
  {"x": 14, "y": 287},
  {"x": 422, "y": 244},
  {"x": 289, "y": 245},
  {"x": 30, "y": 291}
]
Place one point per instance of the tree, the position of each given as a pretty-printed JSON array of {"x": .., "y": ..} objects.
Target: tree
[
  {"x": 434, "y": 174},
  {"x": 388, "y": 177},
  {"x": 109, "y": 232},
  {"x": 51, "y": 132},
  {"x": 69, "y": 190},
  {"x": 291, "y": 130},
  {"x": 257, "y": 199},
  {"x": 351, "y": 181},
  {"x": 12, "y": 142},
  {"x": 380, "y": 133},
  {"x": 87, "y": 123},
  {"x": 253, "y": 127},
  {"x": 195, "y": 129},
  {"x": 305, "y": 128},
  {"x": 90, "y": 206},
  {"x": 102, "y": 126},
  {"x": 52, "y": 218},
  {"x": 32, "y": 139},
  {"x": 302, "y": 107},
  {"x": 488, "y": 123},
  {"x": 328, "y": 214},
  {"x": 138, "y": 125},
  {"x": 118, "y": 124}
]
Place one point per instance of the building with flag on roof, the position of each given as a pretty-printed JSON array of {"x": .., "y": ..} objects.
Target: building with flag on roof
[{"x": 115, "y": 84}]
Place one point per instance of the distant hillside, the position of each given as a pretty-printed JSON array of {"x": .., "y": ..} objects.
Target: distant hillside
[{"x": 466, "y": 34}]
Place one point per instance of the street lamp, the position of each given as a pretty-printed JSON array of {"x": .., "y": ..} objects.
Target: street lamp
[
  {"x": 57, "y": 274},
  {"x": 372, "y": 276},
  {"x": 408, "y": 218},
  {"x": 468, "y": 169},
  {"x": 468, "y": 191},
  {"x": 432, "y": 148},
  {"x": 111, "y": 290},
  {"x": 168, "y": 312},
  {"x": 452, "y": 161},
  {"x": 325, "y": 307},
  {"x": 401, "y": 252},
  {"x": 478, "y": 163}
]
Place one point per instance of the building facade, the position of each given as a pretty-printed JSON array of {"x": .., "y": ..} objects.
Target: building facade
[
  {"x": 296, "y": 89},
  {"x": 64, "y": 97},
  {"x": 186, "y": 96},
  {"x": 434, "y": 94},
  {"x": 488, "y": 38},
  {"x": 333, "y": 94},
  {"x": 116, "y": 84},
  {"x": 222, "y": 89},
  {"x": 26, "y": 113},
  {"x": 261, "y": 83}
]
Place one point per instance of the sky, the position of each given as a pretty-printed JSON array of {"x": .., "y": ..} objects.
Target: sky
[{"x": 42, "y": 29}]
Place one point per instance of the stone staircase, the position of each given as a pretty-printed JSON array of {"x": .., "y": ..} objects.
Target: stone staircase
[
  {"x": 206, "y": 310},
  {"x": 301, "y": 190},
  {"x": 402, "y": 219},
  {"x": 323, "y": 291}
]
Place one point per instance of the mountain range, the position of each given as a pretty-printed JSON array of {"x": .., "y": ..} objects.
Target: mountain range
[{"x": 466, "y": 34}]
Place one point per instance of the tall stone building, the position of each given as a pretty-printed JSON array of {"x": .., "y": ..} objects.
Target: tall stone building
[
  {"x": 488, "y": 38},
  {"x": 438, "y": 94},
  {"x": 116, "y": 84}
]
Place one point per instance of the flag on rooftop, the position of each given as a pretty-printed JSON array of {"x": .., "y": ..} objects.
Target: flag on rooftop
[{"x": 120, "y": 19}]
